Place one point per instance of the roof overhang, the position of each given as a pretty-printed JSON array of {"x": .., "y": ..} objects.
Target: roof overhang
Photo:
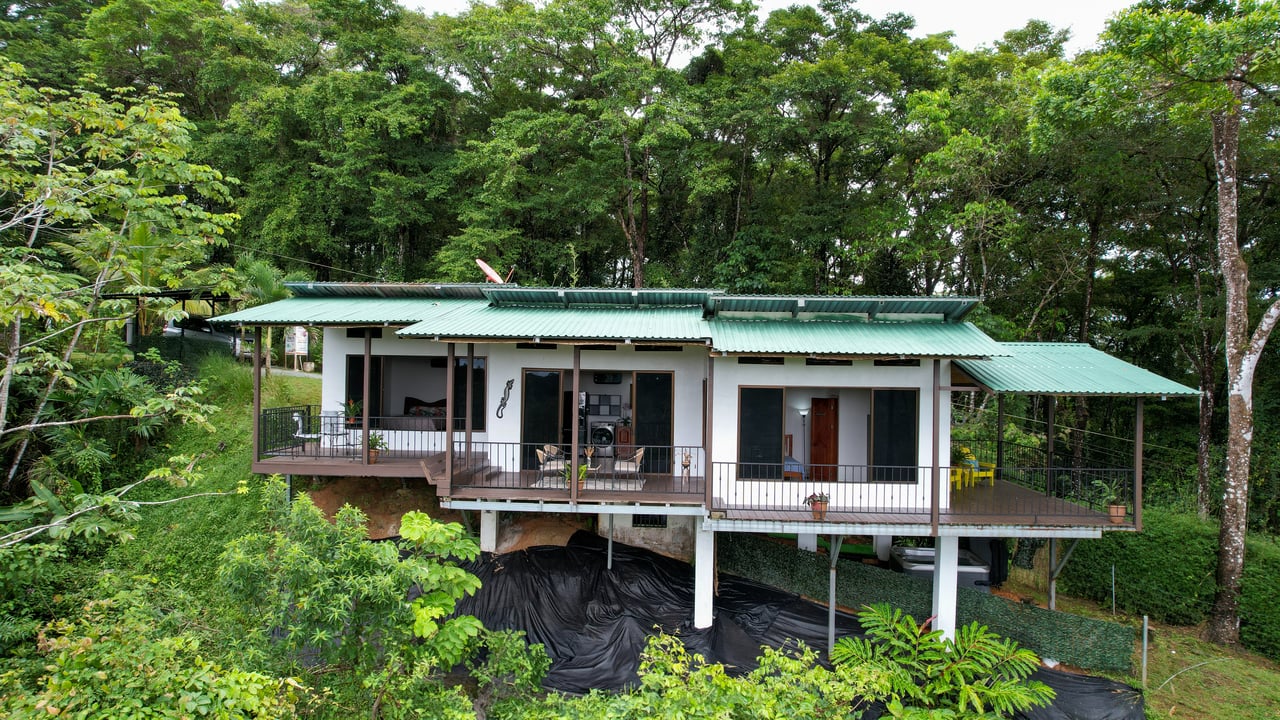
[{"x": 1067, "y": 369}]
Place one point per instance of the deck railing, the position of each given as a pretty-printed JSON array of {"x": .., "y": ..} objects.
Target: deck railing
[
  {"x": 304, "y": 431},
  {"x": 899, "y": 494},
  {"x": 509, "y": 465}
]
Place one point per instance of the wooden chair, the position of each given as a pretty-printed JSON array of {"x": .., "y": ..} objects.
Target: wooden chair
[
  {"x": 550, "y": 460},
  {"x": 629, "y": 466}
]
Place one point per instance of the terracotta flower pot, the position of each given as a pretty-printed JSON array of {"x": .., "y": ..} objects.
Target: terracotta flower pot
[
  {"x": 819, "y": 508},
  {"x": 1117, "y": 513}
]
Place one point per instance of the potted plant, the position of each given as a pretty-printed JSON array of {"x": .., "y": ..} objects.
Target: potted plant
[
  {"x": 818, "y": 503},
  {"x": 583, "y": 469},
  {"x": 377, "y": 444},
  {"x": 1108, "y": 493},
  {"x": 353, "y": 411}
]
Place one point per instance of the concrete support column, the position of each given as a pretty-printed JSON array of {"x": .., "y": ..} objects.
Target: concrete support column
[
  {"x": 704, "y": 578},
  {"x": 882, "y": 544},
  {"x": 488, "y": 531},
  {"x": 946, "y": 563},
  {"x": 807, "y": 541}
]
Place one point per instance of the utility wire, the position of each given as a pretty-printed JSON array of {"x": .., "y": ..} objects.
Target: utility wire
[{"x": 304, "y": 262}]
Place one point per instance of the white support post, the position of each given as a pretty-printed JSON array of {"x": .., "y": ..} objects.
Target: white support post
[
  {"x": 807, "y": 541},
  {"x": 946, "y": 563},
  {"x": 883, "y": 544},
  {"x": 704, "y": 578},
  {"x": 488, "y": 531}
]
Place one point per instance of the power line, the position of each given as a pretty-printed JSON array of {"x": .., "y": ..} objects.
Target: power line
[{"x": 304, "y": 262}]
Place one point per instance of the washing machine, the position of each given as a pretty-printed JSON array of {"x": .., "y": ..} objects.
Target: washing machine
[{"x": 602, "y": 437}]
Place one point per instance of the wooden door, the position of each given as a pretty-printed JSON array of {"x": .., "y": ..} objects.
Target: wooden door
[{"x": 824, "y": 453}]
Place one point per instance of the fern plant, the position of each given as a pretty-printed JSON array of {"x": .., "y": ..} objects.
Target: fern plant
[{"x": 975, "y": 674}]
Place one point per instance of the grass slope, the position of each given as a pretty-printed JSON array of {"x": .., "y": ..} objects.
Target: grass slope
[{"x": 177, "y": 545}]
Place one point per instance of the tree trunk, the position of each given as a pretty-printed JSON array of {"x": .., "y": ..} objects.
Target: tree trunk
[{"x": 1224, "y": 618}]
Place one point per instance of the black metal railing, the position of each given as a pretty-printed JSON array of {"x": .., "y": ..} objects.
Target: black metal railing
[
  {"x": 969, "y": 493},
  {"x": 304, "y": 431},
  {"x": 508, "y": 465}
]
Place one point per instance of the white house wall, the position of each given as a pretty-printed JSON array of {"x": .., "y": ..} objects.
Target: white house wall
[
  {"x": 507, "y": 362},
  {"x": 852, "y": 385}
]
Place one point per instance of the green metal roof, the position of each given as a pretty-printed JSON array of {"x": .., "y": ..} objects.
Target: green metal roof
[
  {"x": 473, "y": 291},
  {"x": 1066, "y": 369},
  {"x": 949, "y": 308},
  {"x": 867, "y": 339},
  {"x": 348, "y": 311},
  {"x": 514, "y": 295},
  {"x": 593, "y": 324}
]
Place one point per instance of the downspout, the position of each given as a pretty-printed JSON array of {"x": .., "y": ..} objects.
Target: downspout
[
  {"x": 448, "y": 414},
  {"x": 364, "y": 405},
  {"x": 257, "y": 392},
  {"x": 1137, "y": 466}
]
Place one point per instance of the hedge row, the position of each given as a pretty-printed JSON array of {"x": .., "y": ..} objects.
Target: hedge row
[
  {"x": 1168, "y": 571},
  {"x": 1071, "y": 639}
]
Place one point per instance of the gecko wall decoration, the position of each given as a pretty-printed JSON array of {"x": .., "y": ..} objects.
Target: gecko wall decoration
[{"x": 506, "y": 396}]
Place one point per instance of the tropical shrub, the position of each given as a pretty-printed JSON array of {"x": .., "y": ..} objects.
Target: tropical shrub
[
  {"x": 311, "y": 590},
  {"x": 677, "y": 683},
  {"x": 114, "y": 662},
  {"x": 974, "y": 674}
]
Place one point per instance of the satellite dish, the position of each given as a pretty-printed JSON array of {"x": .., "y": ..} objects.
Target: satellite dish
[{"x": 489, "y": 272}]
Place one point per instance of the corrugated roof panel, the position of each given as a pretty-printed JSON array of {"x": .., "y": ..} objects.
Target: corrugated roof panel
[
  {"x": 347, "y": 311},
  {"x": 1067, "y": 369},
  {"x": 472, "y": 291},
  {"x": 560, "y": 324},
  {"x": 510, "y": 295},
  {"x": 870, "y": 339},
  {"x": 951, "y": 308}
]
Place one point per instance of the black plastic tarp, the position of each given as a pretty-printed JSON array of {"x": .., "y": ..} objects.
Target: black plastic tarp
[{"x": 594, "y": 621}]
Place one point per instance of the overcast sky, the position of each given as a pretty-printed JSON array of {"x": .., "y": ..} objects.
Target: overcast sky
[{"x": 974, "y": 22}]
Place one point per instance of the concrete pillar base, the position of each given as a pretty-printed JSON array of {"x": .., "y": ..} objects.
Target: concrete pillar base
[
  {"x": 807, "y": 541},
  {"x": 704, "y": 567},
  {"x": 946, "y": 563},
  {"x": 488, "y": 531},
  {"x": 882, "y": 544}
]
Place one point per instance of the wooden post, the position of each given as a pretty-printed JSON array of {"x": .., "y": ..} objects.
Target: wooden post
[
  {"x": 574, "y": 440},
  {"x": 448, "y": 413},
  {"x": 257, "y": 392},
  {"x": 364, "y": 404},
  {"x": 1137, "y": 465},
  {"x": 471, "y": 362},
  {"x": 999, "y": 433},
  {"x": 935, "y": 503},
  {"x": 1050, "y": 407},
  {"x": 707, "y": 465}
]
